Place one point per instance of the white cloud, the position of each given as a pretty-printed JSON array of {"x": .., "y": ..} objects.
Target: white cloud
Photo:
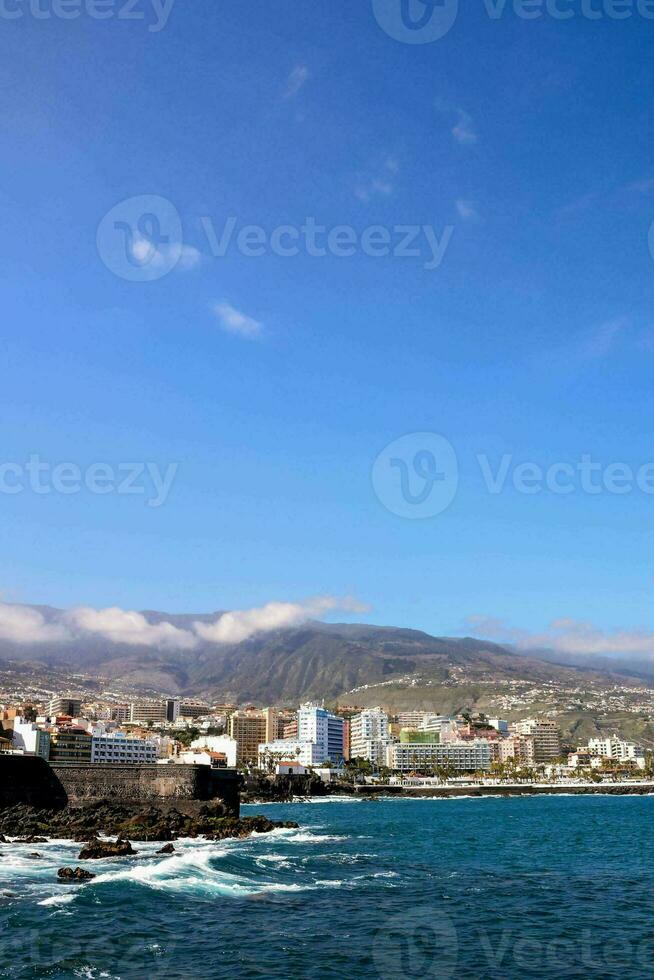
[
  {"x": 239, "y": 625},
  {"x": 466, "y": 210},
  {"x": 464, "y": 130},
  {"x": 121, "y": 626},
  {"x": 568, "y": 635},
  {"x": 295, "y": 81},
  {"x": 171, "y": 255},
  {"x": 23, "y": 624},
  {"x": 233, "y": 321},
  {"x": 378, "y": 183},
  {"x": 20, "y": 624}
]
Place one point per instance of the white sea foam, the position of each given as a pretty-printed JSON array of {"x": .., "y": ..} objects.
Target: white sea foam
[
  {"x": 307, "y": 837},
  {"x": 65, "y": 899}
]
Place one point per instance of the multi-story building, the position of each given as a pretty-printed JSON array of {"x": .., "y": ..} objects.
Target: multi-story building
[
  {"x": 347, "y": 738},
  {"x": 65, "y": 705},
  {"x": 172, "y": 709},
  {"x": 289, "y": 750},
  {"x": 546, "y": 736},
  {"x": 289, "y": 730},
  {"x": 316, "y": 724},
  {"x": 145, "y": 711},
  {"x": 30, "y": 739},
  {"x": 369, "y": 736},
  {"x": 120, "y": 713},
  {"x": 617, "y": 749},
  {"x": 411, "y": 719},
  {"x": 516, "y": 748},
  {"x": 70, "y": 744},
  {"x": 117, "y": 747},
  {"x": 193, "y": 709},
  {"x": 422, "y": 756},
  {"x": 248, "y": 729},
  {"x": 218, "y": 743}
]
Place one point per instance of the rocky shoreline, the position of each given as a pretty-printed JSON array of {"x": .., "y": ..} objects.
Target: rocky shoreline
[{"x": 129, "y": 822}]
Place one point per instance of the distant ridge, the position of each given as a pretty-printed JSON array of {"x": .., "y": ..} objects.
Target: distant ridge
[{"x": 315, "y": 660}]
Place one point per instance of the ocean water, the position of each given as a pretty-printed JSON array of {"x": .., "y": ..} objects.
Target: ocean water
[{"x": 510, "y": 888}]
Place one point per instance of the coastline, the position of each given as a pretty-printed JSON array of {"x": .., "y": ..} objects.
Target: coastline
[
  {"x": 367, "y": 793},
  {"x": 511, "y": 789}
]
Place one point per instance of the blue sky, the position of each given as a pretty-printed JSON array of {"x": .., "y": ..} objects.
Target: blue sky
[{"x": 274, "y": 382}]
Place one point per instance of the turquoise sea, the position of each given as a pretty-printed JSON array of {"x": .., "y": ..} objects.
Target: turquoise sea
[{"x": 511, "y": 888}]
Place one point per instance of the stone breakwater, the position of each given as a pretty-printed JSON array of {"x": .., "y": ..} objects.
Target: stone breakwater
[{"x": 131, "y": 822}]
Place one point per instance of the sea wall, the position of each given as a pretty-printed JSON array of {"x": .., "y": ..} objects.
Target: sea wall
[
  {"x": 148, "y": 783},
  {"x": 28, "y": 779}
]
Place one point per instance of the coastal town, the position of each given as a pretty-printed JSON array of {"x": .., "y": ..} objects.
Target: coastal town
[{"x": 347, "y": 744}]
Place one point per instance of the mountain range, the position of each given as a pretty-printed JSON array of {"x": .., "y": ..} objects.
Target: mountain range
[{"x": 315, "y": 660}]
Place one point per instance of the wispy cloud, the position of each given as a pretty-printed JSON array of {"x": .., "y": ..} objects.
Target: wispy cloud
[
  {"x": 466, "y": 210},
  {"x": 378, "y": 183},
  {"x": 464, "y": 129},
  {"x": 182, "y": 256},
  {"x": 567, "y": 635},
  {"x": 295, "y": 81},
  {"x": 22, "y": 624},
  {"x": 603, "y": 339},
  {"x": 236, "y": 322},
  {"x": 122, "y": 626},
  {"x": 234, "y": 627}
]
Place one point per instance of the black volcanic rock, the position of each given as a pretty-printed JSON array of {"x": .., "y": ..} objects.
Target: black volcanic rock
[
  {"x": 105, "y": 849},
  {"x": 138, "y": 823},
  {"x": 76, "y": 874},
  {"x": 166, "y": 849}
]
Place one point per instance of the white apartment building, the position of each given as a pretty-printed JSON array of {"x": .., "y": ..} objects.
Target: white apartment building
[
  {"x": 289, "y": 750},
  {"x": 30, "y": 739},
  {"x": 369, "y": 736},
  {"x": 120, "y": 748},
  {"x": 463, "y": 756},
  {"x": 618, "y": 749},
  {"x": 326, "y": 730},
  {"x": 218, "y": 743}
]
